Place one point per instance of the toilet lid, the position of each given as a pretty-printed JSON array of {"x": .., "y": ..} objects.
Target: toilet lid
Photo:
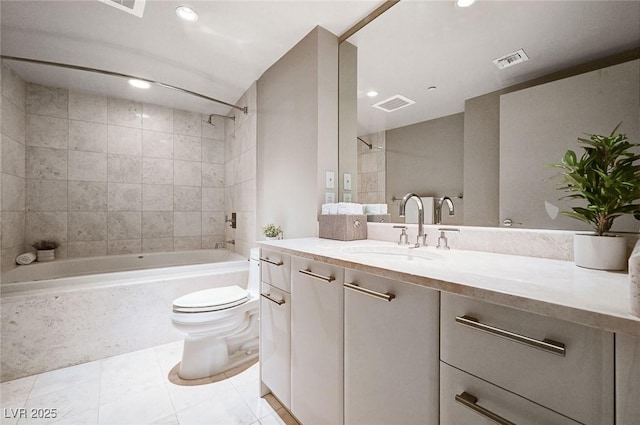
[{"x": 211, "y": 300}]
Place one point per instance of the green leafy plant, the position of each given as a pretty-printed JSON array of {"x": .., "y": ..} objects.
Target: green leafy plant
[
  {"x": 271, "y": 230},
  {"x": 606, "y": 177},
  {"x": 45, "y": 245}
]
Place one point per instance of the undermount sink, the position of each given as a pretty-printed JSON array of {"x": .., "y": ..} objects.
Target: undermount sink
[{"x": 391, "y": 252}]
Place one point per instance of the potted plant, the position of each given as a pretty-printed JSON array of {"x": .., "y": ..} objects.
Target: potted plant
[
  {"x": 271, "y": 231},
  {"x": 45, "y": 250},
  {"x": 607, "y": 179}
]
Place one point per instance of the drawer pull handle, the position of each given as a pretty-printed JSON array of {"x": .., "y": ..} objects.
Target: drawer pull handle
[
  {"x": 266, "y": 260},
  {"x": 268, "y": 296},
  {"x": 547, "y": 345},
  {"x": 378, "y": 295},
  {"x": 469, "y": 401},
  {"x": 327, "y": 279}
]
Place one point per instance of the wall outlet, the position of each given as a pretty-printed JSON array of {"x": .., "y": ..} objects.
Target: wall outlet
[
  {"x": 330, "y": 180},
  {"x": 347, "y": 197},
  {"x": 329, "y": 198},
  {"x": 347, "y": 181}
]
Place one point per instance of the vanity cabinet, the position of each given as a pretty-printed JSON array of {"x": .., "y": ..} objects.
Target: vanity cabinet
[
  {"x": 317, "y": 342},
  {"x": 627, "y": 380},
  {"x": 275, "y": 325},
  {"x": 390, "y": 352},
  {"x": 563, "y": 366}
]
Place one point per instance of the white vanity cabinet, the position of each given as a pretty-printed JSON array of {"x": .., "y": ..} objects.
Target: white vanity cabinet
[
  {"x": 566, "y": 367},
  {"x": 275, "y": 325},
  {"x": 391, "y": 351},
  {"x": 316, "y": 342},
  {"x": 627, "y": 380}
]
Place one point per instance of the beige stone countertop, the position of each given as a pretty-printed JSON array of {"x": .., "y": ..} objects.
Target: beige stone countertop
[{"x": 548, "y": 287}]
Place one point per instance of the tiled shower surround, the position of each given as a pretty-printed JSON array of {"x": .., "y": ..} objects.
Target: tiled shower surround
[
  {"x": 106, "y": 176},
  {"x": 371, "y": 169}
]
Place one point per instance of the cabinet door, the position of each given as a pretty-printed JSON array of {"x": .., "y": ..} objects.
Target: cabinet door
[
  {"x": 275, "y": 342},
  {"x": 467, "y": 400},
  {"x": 316, "y": 342},
  {"x": 391, "y": 352},
  {"x": 627, "y": 380}
]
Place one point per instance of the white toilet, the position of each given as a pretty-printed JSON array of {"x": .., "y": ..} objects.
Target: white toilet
[{"x": 221, "y": 325}]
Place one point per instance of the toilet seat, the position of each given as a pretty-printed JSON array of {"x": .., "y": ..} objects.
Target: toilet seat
[{"x": 210, "y": 300}]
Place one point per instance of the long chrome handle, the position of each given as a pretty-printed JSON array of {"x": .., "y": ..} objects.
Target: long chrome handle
[
  {"x": 327, "y": 279},
  {"x": 266, "y": 260},
  {"x": 547, "y": 345},
  {"x": 268, "y": 296},
  {"x": 467, "y": 400},
  {"x": 378, "y": 295}
]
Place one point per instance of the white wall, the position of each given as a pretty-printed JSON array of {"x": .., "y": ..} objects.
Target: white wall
[{"x": 297, "y": 134}]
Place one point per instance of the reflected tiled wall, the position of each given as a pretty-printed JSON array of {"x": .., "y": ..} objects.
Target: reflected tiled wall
[
  {"x": 240, "y": 173},
  {"x": 12, "y": 179},
  {"x": 371, "y": 169},
  {"x": 113, "y": 176}
]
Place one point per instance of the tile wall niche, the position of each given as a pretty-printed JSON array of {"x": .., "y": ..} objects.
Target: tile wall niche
[
  {"x": 12, "y": 171},
  {"x": 371, "y": 169},
  {"x": 240, "y": 174},
  {"x": 112, "y": 176}
]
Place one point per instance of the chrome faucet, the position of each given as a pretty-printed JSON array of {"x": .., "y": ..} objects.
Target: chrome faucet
[
  {"x": 441, "y": 202},
  {"x": 422, "y": 238}
]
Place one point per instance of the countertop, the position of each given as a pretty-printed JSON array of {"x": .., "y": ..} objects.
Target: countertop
[{"x": 553, "y": 288}]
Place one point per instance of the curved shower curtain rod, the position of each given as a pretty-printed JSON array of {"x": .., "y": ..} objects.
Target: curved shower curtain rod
[{"x": 244, "y": 109}]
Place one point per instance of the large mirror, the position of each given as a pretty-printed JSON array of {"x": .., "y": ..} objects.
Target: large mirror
[{"x": 475, "y": 103}]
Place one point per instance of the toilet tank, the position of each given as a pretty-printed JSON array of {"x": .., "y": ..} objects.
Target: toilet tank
[{"x": 253, "y": 285}]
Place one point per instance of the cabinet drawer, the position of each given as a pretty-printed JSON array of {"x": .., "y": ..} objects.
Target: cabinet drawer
[
  {"x": 275, "y": 342},
  {"x": 457, "y": 387},
  {"x": 490, "y": 341},
  {"x": 276, "y": 269}
]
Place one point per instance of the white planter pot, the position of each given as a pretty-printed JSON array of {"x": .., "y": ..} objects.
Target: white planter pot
[
  {"x": 600, "y": 252},
  {"x": 45, "y": 255}
]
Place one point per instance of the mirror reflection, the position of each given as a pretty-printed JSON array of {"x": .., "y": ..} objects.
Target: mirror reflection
[{"x": 475, "y": 103}]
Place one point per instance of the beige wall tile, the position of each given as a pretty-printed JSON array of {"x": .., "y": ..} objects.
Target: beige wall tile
[
  {"x": 187, "y": 198},
  {"x": 46, "y": 163},
  {"x": 157, "y": 171},
  {"x": 157, "y": 245},
  {"x": 212, "y": 175},
  {"x": 87, "y": 136},
  {"x": 13, "y": 157},
  {"x": 87, "y": 107},
  {"x": 13, "y": 196},
  {"x": 87, "y": 196},
  {"x": 187, "y": 224},
  {"x": 13, "y": 122},
  {"x": 87, "y": 226},
  {"x": 156, "y": 117},
  {"x": 48, "y": 132},
  {"x": 46, "y": 195},
  {"x": 43, "y": 100},
  {"x": 215, "y": 130},
  {"x": 124, "y": 197},
  {"x": 13, "y": 228},
  {"x": 213, "y": 242},
  {"x": 14, "y": 89},
  {"x": 187, "y": 173},
  {"x": 45, "y": 225},
  {"x": 86, "y": 249},
  {"x": 157, "y": 224},
  {"x": 125, "y": 113},
  {"x": 156, "y": 144},
  {"x": 212, "y": 199},
  {"x": 187, "y": 243},
  {"x": 187, "y": 148},
  {"x": 157, "y": 197},
  {"x": 187, "y": 123},
  {"x": 124, "y": 246},
  {"x": 87, "y": 166},
  {"x": 124, "y": 140},
  {"x": 213, "y": 223},
  {"x": 124, "y": 169},
  {"x": 213, "y": 151},
  {"x": 124, "y": 225}
]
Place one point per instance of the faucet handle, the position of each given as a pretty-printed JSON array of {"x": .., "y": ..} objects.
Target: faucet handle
[
  {"x": 443, "y": 242},
  {"x": 404, "y": 238}
]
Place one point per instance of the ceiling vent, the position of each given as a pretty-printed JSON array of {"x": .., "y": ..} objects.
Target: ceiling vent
[
  {"x": 134, "y": 7},
  {"x": 511, "y": 59},
  {"x": 393, "y": 103}
]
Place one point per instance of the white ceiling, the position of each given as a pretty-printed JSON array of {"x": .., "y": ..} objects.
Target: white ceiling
[
  {"x": 417, "y": 44},
  {"x": 220, "y": 55}
]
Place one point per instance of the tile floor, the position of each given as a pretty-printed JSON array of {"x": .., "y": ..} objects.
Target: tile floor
[{"x": 135, "y": 389}]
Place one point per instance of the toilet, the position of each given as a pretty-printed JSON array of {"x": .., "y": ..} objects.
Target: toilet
[{"x": 221, "y": 326}]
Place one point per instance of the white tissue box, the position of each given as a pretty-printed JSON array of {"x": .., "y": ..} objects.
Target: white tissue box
[{"x": 343, "y": 227}]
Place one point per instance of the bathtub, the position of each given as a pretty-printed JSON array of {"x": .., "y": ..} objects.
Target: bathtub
[{"x": 69, "y": 312}]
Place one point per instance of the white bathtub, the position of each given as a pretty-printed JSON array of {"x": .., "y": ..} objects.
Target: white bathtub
[{"x": 50, "y": 323}]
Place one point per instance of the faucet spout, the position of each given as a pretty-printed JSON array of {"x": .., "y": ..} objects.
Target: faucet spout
[
  {"x": 441, "y": 202},
  {"x": 422, "y": 238}
]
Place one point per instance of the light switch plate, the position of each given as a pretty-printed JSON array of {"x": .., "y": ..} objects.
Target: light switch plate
[
  {"x": 330, "y": 180},
  {"x": 347, "y": 197},
  {"x": 329, "y": 198},
  {"x": 347, "y": 181}
]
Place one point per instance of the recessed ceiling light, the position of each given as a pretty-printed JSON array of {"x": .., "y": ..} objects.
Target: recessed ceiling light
[
  {"x": 372, "y": 93},
  {"x": 139, "y": 84},
  {"x": 187, "y": 13},
  {"x": 464, "y": 3}
]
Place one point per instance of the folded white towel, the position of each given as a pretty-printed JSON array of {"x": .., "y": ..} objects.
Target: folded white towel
[
  {"x": 26, "y": 258},
  {"x": 329, "y": 209},
  {"x": 350, "y": 208},
  {"x": 370, "y": 209}
]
